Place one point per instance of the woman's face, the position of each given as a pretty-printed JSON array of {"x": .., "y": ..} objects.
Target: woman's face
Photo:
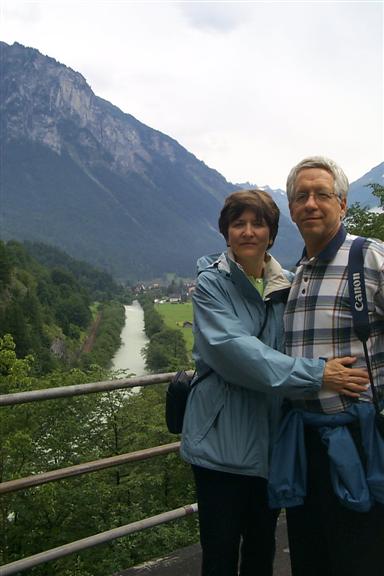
[{"x": 248, "y": 238}]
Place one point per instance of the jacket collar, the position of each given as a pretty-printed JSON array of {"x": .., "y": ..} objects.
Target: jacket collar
[{"x": 275, "y": 279}]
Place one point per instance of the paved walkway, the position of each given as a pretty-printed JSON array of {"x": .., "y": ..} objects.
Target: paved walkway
[{"x": 186, "y": 561}]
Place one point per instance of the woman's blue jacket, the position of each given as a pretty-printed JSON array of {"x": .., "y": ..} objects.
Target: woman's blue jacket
[{"x": 232, "y": 415}]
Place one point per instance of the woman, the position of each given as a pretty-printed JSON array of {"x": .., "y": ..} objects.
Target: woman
[{"x": 232, "y": 414}]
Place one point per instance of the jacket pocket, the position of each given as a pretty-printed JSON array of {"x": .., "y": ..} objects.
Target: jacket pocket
[
  {"x": 209, "y": 423},
  {"x": 204, "y": 406}
]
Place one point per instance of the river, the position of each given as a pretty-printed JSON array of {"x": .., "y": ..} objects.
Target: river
[{"x": 133, "y": 339}]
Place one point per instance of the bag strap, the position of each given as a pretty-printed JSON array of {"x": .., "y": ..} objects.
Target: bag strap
[
  {"x": 359, "y": 305},
  {"x": 357, "y": 294},
  {"x": 201, "y": 377},
  {"x": 267, "y": 306}
]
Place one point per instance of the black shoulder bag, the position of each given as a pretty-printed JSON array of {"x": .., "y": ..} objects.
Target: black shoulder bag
[
  {"x": 359, "y": 310},
  {"x": 176, "y": 398}
]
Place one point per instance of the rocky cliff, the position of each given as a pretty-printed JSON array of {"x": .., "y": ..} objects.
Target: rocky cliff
[{"x": 82, "y": 175}]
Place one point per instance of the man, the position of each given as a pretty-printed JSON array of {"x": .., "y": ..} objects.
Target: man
[{"x": 326, "y": 537}]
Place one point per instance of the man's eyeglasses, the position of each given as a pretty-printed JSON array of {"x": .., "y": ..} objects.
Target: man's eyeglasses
[{"x": 320, "y": 197}]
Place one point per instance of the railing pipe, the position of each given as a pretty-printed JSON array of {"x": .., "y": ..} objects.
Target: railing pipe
[
  {"x": 81, "y": 389},
  {"x": 102, "y": 538},
  {"x": 86, "y": 468}
]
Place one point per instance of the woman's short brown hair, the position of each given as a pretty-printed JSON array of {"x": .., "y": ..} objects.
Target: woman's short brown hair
[{"x": 259, "y": 201}]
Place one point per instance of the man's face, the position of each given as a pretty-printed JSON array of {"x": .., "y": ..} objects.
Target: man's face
[{"x": 315, "y": 208}]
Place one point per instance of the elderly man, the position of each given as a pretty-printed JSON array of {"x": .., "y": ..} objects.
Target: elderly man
[{"x": 326, "y": 537}]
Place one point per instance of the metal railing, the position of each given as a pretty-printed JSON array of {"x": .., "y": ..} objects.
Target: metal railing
[
  {"x": 88, "y": 467},
  {"x": 85, "y": 468},
  {"x": 91, "y": 541},
  {"x": 81, "y": 389}
]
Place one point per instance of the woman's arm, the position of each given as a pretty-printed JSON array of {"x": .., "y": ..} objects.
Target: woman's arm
[{"x": 242, "y": 359}]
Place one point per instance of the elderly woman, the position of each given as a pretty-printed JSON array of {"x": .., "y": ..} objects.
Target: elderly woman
[{"x": 232, "y": 413}]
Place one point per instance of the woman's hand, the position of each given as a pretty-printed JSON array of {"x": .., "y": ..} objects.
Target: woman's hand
[{"x": 342, "y": 380}]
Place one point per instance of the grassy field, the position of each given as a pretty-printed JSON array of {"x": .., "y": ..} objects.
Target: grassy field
[{"x": 175, "y": 315}]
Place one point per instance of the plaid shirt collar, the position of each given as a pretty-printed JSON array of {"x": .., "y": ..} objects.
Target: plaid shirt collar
[{"x": 331, "y": 249}]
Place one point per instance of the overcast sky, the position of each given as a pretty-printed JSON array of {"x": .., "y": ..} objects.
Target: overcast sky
[{"x": 250, "y": 88}]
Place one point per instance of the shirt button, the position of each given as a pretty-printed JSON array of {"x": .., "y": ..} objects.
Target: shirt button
[{"x": 303, "y": 291}]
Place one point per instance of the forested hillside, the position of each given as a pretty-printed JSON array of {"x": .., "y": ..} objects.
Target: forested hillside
[
  {"x": 48, "y": 303},
  {"x": 100, "y": 285}
]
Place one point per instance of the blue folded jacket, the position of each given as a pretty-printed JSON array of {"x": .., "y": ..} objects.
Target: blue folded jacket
[{"x": 357, "y": 488}]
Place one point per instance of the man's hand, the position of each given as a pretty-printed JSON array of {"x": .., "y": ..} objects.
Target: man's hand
[{"x": 342, "y": 380}]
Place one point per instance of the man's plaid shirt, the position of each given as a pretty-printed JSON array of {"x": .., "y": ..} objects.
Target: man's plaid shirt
[{"x": 318, "y": 320}]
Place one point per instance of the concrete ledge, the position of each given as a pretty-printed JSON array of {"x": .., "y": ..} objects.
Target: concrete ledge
[{"x": 186, "y": 561}]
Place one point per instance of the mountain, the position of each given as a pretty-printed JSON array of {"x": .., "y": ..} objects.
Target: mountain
[
  {"x": 81, "y": 175},
  {"x": 360, "y": 192},
  {"x": 278, "y": 195}
]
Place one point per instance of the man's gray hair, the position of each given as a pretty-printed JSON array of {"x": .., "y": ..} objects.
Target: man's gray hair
[{"x": 341, "y": 183}]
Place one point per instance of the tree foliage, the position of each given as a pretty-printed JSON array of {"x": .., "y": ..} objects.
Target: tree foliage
[
  {"x": 5, "y": 267},
  {"x": 363, "y": 222},
  {"x": 152, "y": 320},
  {"x": 111, "y": 317},
  {"x": 48, "y": 309},
  {"x": 37, "y": 306},
  {"x": 166, "y": 350},
  {"x": 99, "y": 284}
]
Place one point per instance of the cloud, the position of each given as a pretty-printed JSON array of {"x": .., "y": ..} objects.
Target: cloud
[
  {"x": 249, "y": 88},
  {"x": 216, "y": 16},
  {"x": 23, "y": 13}
]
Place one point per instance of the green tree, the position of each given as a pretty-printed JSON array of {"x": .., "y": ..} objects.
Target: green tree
[
  {"x": 363, "y": 222},
  {"x": 5, "y": 267},
  {"x": 107, "y": 338},
  {"x": 166, "y": 351},
  {"x": 38, "y": 305},
  {"x": 152, "y": 320},
  {"x": 41, "y": 437}
]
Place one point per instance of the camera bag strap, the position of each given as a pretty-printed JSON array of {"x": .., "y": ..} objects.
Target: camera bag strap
[{"x": 359, "y": 306}]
